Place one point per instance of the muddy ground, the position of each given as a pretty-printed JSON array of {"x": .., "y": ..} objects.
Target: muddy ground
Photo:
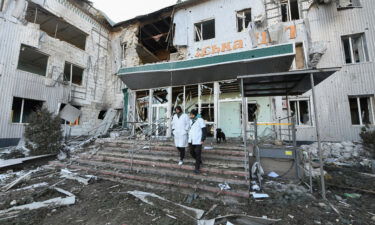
[{"x": 106, "y": 202}]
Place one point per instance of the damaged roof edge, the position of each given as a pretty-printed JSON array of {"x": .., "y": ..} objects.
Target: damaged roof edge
[{"x": 168, "y": 9}]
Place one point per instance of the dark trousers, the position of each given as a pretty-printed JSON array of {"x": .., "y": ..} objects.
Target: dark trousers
[
  {"x": 196, "y": 153},
  {"x": 182, "y": 153}
]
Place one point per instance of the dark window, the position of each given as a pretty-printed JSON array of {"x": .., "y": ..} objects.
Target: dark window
[
  {"x": 55, "y": 26},
  {"x": 301, "y": 109},
  {"x": 207, "y": 112},
  {"x": 2, "y": 5},
  {"x": 284, "y": 12},
  {"x": 289, "y": 10},
  {"x": 355, "y": 48},
  {"x": 243, "y": 19},
  {"x": 32, "y": 61},
  {"x": 362, "y": 110},
  {"x": 73, "y": 74},
  {"x": 294, "y": 10},
  {"x": 101, "y": 115},
  {"x": 123, "y": 50},
  {"x": 204, "y": 30},
  {"x": 22, "y": 109},
  {"x": 252, "y": 108}
]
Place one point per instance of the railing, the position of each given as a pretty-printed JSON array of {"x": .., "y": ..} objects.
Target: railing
[{"x": 145, "y": 131}]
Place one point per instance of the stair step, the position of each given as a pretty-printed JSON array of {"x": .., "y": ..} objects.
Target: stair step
[
  {"x": 224, "y": 163},
  {"x": 184, "y": 183},
  {"x": 127, "y": 143},
  {"x": 161, "y": 150},
  {"x": 204, "y": 169},
  {"x": 152, "y": 154},
  {"x": 162, "y": 172}
]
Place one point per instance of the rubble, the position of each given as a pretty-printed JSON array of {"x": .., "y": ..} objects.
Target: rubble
[
  {"x": 70, "y": 199},
  {"x": 343, "y": 152},
  {"x": 154, "y": 200}
]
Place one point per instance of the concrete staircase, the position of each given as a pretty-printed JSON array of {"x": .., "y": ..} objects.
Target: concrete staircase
[{"x": 157, "y": 168}]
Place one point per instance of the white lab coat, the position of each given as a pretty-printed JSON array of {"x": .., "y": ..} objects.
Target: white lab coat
[
  {"x": 195, "y": 132},
  {"x": 180, "y": 127}
]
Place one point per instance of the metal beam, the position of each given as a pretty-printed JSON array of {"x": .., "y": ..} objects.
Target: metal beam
[{"x": 318, "y": 137}]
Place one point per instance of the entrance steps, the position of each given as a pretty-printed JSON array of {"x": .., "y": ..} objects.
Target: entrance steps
[{"x": 157, "y": 168}]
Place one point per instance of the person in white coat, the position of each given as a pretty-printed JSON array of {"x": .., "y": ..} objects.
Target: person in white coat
[
  {"x": 197, "y": 136},
  {"x": 180, "y": 129}
]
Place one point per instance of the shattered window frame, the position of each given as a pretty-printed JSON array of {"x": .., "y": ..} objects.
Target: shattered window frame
[
  {"x": 22, "y": 118},
  {"x": 243, "y": 16},
  {"x": 357, "y": 115},
  {"x": 348, "y": 4},
  {"x": 199, "y": 31},
  {"x": 289, "y": 12},
  {"x": 297, "y": 107},
  {"x": 123, "y": 50},
  {"x": 72, "y": 73},
  {"x": 353, "y": 51},
  {"x": 27, "y": 66},
  {"x": 252, "y": 107}
]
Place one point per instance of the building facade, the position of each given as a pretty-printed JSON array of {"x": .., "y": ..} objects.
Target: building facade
[
  {"x": 53, "y": 53},
  {"x": 57, "y": 52}
]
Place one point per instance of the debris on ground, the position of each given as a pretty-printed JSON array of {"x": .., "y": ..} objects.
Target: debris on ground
[
  {"x": 344, "y": 153},
  {"x": 167, "y": 206},
  {"x": 238, "y": 220},
  {"x": 273, "y": 175},
  {"x": 65, "y": 173},
  {"x": 69, "y": 199},
  {"x": 224, "y": 186},
  {"x": 353, "y": 195}
]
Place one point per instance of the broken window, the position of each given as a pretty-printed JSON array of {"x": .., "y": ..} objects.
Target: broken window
[
  {"x": 22, "y": 108},
  {"x": 123, "y": 50},
  {"x": 55, "y": 26},
  {"x": 204, "y": 30},
  {"x": 32, "y": 61},
  {"x": 73, "y": 74},
  {"x": 155, "y": 39},
  {"x": 362, "y": 110},
  {"x": 101, "y": 115},
  {"x": 243, "y": 19},
  {"x": 289, "y": 10},
  {"x": 345, "y": 4},
  {"x": 142, "y": 105},
  {"x": 207, "y": 112},
  {"x": 302, "y": 110},
  {"x": 78, "y": 120},
  {"x": 252, "y": 109},
  {"x": 2, "y": 4},
  {"x": 355, "y": 48}
]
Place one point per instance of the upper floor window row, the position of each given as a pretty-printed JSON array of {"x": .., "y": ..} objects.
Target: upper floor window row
[
  {"x": 206, "y": 30},
  {"x": 55, "y": 26}
]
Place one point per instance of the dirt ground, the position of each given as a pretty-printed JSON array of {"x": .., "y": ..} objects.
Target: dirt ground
[{"x": 106, "y": 202}]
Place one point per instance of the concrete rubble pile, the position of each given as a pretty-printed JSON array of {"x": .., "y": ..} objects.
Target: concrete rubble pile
[{"x": 344, "y": 153}]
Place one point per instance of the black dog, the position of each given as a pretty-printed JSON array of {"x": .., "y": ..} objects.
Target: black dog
[{"x": 220, "y": 136}]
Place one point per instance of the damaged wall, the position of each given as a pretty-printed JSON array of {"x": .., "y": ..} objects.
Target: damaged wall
[{"x": 50, "y": 89}]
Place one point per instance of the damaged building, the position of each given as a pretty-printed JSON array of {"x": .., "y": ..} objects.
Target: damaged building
[{"x": 60, "y": 52}]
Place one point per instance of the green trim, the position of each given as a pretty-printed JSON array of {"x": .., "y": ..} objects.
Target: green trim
[{"x": 276, "y": 50}]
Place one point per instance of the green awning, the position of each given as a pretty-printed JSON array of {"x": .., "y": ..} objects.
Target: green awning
[{"x": 276, "y": 58}]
